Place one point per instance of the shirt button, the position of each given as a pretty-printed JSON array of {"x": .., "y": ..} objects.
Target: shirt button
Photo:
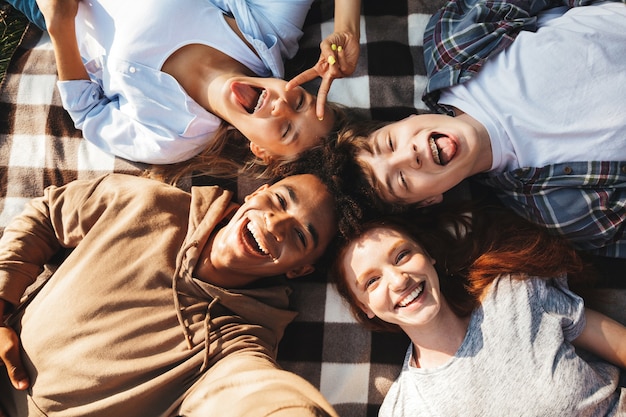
[
  {"x": 132, "y": 70},
  {"x": 568, "y": 170}
]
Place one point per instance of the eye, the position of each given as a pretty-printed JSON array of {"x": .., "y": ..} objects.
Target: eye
[
  {"x": 401, "y": 255},
  {"x": 301, "y": 237},
  {"x": 370, "y": 282},
  {"x": 281, "y": 201},
  {"x": 287, "y": 130},
  {"x": 390, "y": 144},
  {"x": 403, "y": 181},
  {"x": 300, "y": 102}
]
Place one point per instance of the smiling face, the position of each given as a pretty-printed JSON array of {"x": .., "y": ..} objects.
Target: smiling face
[
  {"x": 419, "y": 158},
  {"x": 277, "y": 122},
  {"x": 280, "y": 229},
  {"x": 392, "y": 278}
]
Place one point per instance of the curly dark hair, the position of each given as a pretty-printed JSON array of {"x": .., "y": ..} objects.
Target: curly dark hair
[
  {"x": 354, "y": 198},
  {"x": 340, "y": 173}
]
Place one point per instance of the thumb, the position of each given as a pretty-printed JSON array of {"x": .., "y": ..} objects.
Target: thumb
[{"x": 10, "y": 355}]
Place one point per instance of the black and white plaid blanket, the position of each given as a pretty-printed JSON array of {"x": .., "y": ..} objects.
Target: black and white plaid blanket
[{"x": 40, "y": 147}]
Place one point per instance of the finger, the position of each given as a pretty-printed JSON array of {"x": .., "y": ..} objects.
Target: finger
[
  {"x": 347, "y": 61},
  {"x": 302, "y": 78},
  {"x": 343, "y": 64},
  {"x": 322, "y": 95},
  {"x": 10, "y": 355}
]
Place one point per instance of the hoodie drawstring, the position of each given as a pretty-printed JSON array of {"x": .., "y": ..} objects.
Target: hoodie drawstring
[
  {"x": 179, "y": 309},
  {"x": 207, "y": 339}
]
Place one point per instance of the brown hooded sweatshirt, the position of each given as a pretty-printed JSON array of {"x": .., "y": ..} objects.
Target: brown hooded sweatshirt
[{"x": 122, "y": 328}]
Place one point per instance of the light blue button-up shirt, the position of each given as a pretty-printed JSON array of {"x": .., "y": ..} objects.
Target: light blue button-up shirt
[{"x": 132, "y": 109}]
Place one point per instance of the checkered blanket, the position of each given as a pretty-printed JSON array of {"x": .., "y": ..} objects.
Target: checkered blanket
[{"x": 40, "y": 147}]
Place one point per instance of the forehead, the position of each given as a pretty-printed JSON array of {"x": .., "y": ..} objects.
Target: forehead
[
  {"x": 378, "y": 236},
  {"x": 313, "y": 129},
  {"x": 305, "y": 185},
  {"x": 377, "y": 174},
  {"x": 312, "y": 198}
]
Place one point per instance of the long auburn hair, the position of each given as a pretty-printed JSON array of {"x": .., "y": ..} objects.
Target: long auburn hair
[{"x": 471, "y": 250}]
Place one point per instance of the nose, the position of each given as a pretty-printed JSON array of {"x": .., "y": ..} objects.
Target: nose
[
  {"x": 276, "y": 224},
  {"x": 407, "y": 157},
  {"x": 280, "y": 107},
  {"x": 397, "y": 280}
]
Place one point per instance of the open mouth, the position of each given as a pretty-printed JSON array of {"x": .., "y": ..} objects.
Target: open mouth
[
  {"x": 442, "y": 147},
  {"x": 412, "y": 297},
  {"x": 252, "y": 240},
  {"x": 250, "y": 98}
]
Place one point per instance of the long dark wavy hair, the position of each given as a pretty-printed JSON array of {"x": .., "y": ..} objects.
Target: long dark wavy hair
[{"x": 472, "y": 249}]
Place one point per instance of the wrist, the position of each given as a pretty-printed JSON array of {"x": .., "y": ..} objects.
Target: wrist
[{"x": 348, "y": 17}]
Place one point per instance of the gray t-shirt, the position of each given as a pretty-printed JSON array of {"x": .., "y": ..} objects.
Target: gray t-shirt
[{"x": 516, "y": 360}]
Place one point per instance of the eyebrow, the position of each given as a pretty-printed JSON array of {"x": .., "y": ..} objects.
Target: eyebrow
[
  {"x": 308, "y": 101},
  {"x": 390, "y": 188},
  {"x": 295, "y": 136},
  {"x": 388, "y": 253},
  {"x": 376, "y": 147},
  {"x": 293, "y": 196}
]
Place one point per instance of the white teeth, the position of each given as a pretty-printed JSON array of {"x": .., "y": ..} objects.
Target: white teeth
[
  {"x": 255, "y": 234},
  {"x": 434, "y": 150},
  {"x": 260, "y": 101},
  {"x": 414, "y": 294}
]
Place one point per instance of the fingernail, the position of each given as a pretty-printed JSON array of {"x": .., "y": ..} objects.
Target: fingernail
[
  {"x": 339, "y": 48},
  {"x": 331, "y": 60},
  {"x": 334, "y": 47},
  {"x": 320, "y": 118}
]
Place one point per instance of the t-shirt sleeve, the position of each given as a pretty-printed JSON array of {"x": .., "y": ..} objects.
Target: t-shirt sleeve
[{"x": 559, "y": 301}]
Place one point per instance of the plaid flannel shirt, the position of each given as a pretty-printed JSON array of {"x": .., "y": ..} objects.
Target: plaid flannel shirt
[
  {"x": 464, "y": 33},
  {"x": 583, "y": 201}
]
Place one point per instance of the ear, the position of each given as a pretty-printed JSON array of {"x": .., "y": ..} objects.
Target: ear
[
  {"x": 430, "y": 201},
  {"x": 300, "y": 271},
  {"x": 255, "y": 192},
  {"x": 370, "y": 314},
  {"x": 259, "y": 152}
]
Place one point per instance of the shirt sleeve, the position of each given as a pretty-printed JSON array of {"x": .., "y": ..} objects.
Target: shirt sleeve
[
  {"x": 581, "y": 201},
  {"x": 559, "y": 301},
  {"x": 48, "y": 223},
  {"x": 273, "y": 27},
  {"x": 113, "y": 130}
]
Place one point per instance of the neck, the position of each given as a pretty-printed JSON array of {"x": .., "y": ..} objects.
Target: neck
[
  {"x": 211, "y": 270},
  {"x": 436, "y": 343},
  {"x": 196, "y": 67},
  {"x": 199, "y": 67}
]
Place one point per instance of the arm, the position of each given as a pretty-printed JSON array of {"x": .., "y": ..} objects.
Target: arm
[
  {"x": 146, "y": 132},
  {"x": 604, "y": 337},
  {"x": 58, "y": 219},
  {"x": 137, "y": 130},
  {"x": 60, "y": 20},
  {"x": 339, "y": 52},
  {"x": 10, "y": 355}
]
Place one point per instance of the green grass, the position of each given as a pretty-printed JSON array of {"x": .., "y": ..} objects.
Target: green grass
[{"x": 13, "y": 24}]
